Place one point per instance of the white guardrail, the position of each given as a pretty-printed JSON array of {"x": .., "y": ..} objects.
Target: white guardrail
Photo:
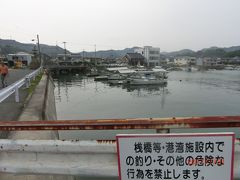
[
  {"x": 56, "y": 157},
  {"x": 14, "y": 88}
]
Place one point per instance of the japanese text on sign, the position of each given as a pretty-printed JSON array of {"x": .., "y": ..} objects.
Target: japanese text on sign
[{"x": 176, "y": 156}]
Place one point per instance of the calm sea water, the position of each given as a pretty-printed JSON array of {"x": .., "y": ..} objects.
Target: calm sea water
[{"x": 186, "y": 94}]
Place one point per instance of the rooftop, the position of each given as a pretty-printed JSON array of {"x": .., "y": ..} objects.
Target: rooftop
[{"x": 135, "y": 55}]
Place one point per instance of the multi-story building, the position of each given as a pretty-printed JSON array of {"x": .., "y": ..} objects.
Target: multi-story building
[
  {"x": 151, "y": 55},
  {"x": 210, "y": 63}
]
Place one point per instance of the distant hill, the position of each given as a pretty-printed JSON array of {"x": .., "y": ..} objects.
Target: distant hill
[
  {"x": 233, "y": 54},
  {"x": 109, "y": 53},
  {"x": 211, "y": 52},
  {"x": 12, "y": 46},
  {"x": 184, "y": 52},
  {"x": 231, "y": 49},
  {"x": 206, "y": 52}
]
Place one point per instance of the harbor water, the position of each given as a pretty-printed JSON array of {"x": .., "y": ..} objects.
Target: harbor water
[{"x": 207, "y": 93}]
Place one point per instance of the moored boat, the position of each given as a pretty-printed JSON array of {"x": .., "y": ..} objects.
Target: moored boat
[
  {"x": 147, "y": 81},
  {"x": 101, "y": 78},
  {"x": 147, "y": 78},
  {"x": 115, "y": 82},
  {"x": 116, "y": 77}
]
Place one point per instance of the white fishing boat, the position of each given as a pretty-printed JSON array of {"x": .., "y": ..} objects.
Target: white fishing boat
[
  {"x": 116, "y": 77},
  {"x": 229, "y": 68},
  {"x": 115, "y": 82},
  {"x": 147, "y": 78},
  {"x": 101, "y": 78},
  {"x": 191, "y": 69},
  {"x": 147, "y": 81}
]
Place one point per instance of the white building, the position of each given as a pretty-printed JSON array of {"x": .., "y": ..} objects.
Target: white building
[
  {"x": 209, "y": 62},
  {"x": 180, "y": 61},
  {"x": 21, "y": 56},
  {"x": 185, "y": 61},
  {"x": 151, "y": 55}
]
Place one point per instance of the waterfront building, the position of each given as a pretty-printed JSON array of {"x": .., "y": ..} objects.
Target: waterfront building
[
  {"x": 24, "y": 58},
  {"x": 209, "y": 62},
  {"x": 151, "y": 55},
  {"x": 134, "y": 59},
  {"x": 234, "y": 60},
  {"x": 192, "y": 61},
  {"x": 181, "y": 61}
]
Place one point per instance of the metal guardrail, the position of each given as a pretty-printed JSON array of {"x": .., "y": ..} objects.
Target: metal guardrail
[
  {"x": 115, "y": 124},
  {"x": 14, "y": 88},
  {"x": 57, "y": 157}
]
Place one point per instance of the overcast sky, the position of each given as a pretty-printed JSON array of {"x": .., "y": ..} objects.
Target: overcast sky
[{"x": 117, "y": 24}]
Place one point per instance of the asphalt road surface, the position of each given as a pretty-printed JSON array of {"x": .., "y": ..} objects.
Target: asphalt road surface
[{"x": 9, "y": 109}]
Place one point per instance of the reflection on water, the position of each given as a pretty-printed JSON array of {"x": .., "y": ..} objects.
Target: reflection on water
[
  {"x": 148, "y": 90},
  {"x": 67, "y": 81},
  {"x": 71, "y": 88}
]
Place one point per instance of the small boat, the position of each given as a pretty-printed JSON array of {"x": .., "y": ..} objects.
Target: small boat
[
  {"x": 101, "y": 78},
  {"x": 149, "y": 77},
  {"x": 174, "y": 69},
  {"x": 116, "y": 77},
  {"x": 229, "y": 68},
  {"x": 93, "y": 73},
  {"x": 115, "y": 82},
  {"x": 147, "y": 81},
  {"x": 191, "y": 69}
]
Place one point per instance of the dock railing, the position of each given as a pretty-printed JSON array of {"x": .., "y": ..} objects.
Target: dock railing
[{"x": 14, "y": 88}]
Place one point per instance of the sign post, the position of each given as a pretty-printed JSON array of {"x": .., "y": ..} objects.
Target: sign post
[{"x": 199, "y": 156}]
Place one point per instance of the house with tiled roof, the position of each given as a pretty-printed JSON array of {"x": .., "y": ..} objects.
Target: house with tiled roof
[{"x": 134, "y": 59}]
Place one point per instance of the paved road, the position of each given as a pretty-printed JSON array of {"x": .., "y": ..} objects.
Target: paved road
[{"x": 9, "y": 109}]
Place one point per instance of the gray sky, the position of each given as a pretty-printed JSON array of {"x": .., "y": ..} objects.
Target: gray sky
[{"x": 117, "y": 24}]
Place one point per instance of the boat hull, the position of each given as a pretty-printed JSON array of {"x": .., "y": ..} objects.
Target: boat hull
[
  {"x": 101, "y": 78},
  {"x": 147, "y": 82}
]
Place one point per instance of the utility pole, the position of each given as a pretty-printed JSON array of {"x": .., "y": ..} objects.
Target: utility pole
[
  {"x": 83, "y": 54},
  {"x": 40, "y": 57},
  {"x": 65, "y": 51},
  {"x": 95, "y": 55},
  {"x": 56, "y": 49}
]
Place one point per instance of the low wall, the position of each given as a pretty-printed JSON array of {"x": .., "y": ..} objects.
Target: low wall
[
  {"x": 41, "y": 106},
  {"x": 49, "y": 104}
]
